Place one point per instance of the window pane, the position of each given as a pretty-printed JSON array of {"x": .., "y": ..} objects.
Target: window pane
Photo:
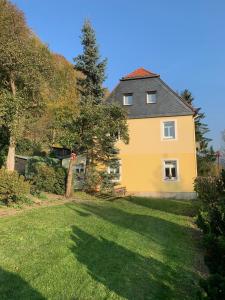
[
  {"x": 166, "y": 131},
  {"x": 173, "y": 172},
  {"x": 151, "y": 97},
  {"x": 167, "y": 172},
  {"x": 170, "y": 170},
  {"x": 172, "y": 131},
  {"x": 128, "y": 99},
  {"x": 169, "y": 129}
]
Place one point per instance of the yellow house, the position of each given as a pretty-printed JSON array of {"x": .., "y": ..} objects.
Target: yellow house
[{"x": 160, "y": 159}]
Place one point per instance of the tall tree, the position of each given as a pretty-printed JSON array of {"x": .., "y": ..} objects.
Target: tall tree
[
  {"x": 24, "y": 64},
  {"x": 61, "y": 96},
  {"x": 91, "y": 66},
  {"x": 93, "y": 131},
  {"x": 205, "y": 154}
]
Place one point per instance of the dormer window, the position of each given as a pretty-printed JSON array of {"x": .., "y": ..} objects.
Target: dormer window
[
  {"x": 127, "y": 99},
  {"x": 151, "y": 97}
]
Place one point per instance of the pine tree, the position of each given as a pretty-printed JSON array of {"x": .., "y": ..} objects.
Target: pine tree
[
  {"x": 205, "y": 154},
  {"x": 92, "y": 133},
  {"x": 187, "y": 96},
  {"x": 90, "y": 65}
]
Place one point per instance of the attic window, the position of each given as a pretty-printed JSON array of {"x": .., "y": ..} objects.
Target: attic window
[
  {"x": 151, "y": 97},
  {"x": 127, "y": 99}
]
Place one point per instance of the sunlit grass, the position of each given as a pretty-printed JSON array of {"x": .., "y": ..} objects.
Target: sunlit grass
[{"x": 132, "y": 248}]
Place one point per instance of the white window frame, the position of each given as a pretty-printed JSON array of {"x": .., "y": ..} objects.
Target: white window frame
[
  {"x": 165, "y": 138},
  {"x": 120, "y": 172},
  {"x": 164, "y": 169},
  {"x": 124, "y": 97},
  {"x": 151, "y": 93}
]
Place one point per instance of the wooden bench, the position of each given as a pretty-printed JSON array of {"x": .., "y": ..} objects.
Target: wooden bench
[{"x": 121, "y": 191}]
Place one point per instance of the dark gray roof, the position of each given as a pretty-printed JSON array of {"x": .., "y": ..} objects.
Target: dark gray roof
[{"x": 168, "y": 102}]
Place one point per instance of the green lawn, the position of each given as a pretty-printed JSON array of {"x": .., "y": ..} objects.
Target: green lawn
[{"x": 132, "y": 248}]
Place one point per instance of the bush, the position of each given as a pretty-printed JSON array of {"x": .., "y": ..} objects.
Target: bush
[
  {"x": 223, "y": 176},
  {"x": 92, "y": 180},
  {"x": 98, "y": 180},
  {"x": 31, "y": 167},
  {"x": 13, "y": 187},
  {"x": 60, "y": 180},
  {"x": 213, "y": 288},
  {"x": 209, "y": 189},
  {"x": 46, "y": 175},
  {"x": 215, "y": 253},
  {"x": 211, "y": 219}
]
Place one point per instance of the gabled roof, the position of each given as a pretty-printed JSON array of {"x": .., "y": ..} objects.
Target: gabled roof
[{"x": 140, "y": 73}]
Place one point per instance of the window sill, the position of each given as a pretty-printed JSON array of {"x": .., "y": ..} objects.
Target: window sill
[
  {"x": 169, "y": 139},
  {"x": 115, "y": 180},
  {"x": 170, "y": 180}
]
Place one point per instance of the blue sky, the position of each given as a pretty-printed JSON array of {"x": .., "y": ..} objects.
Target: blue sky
[{"x": 183, "y": 41}]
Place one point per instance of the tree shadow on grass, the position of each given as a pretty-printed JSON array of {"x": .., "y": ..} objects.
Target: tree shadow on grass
[
  {"x": 177, "y": 207},
  {"x": 128, "y": 274},
  {"x": 12, "y": 286},
  {"x": 174, "y": 241},
  {"x": 171, "y": 236}
]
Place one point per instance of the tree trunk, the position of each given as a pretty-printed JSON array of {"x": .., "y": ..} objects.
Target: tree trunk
[
  {"x": 69, "y": 182},
  {"x": 13, "y": 86},
  {"x": 10, "y": 162}
]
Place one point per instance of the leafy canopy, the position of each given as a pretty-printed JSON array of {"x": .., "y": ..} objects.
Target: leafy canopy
[{"x": 25, "y": 65}]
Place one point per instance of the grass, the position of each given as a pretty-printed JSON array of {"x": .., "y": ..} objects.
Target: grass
[{"x": 132, "y": 248}]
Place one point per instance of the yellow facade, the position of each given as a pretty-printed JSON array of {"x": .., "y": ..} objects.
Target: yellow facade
[{"x": 142, "y": 160}]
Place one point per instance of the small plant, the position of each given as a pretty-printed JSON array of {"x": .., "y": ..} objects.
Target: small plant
[{"x": 13, "y": 187}]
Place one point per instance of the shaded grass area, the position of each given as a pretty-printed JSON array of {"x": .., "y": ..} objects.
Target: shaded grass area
[{"x": 131, "y": 248}]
